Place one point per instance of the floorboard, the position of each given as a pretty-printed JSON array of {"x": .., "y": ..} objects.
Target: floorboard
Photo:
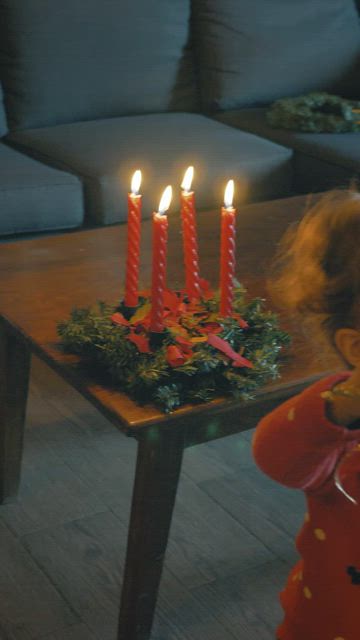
[
  {"x": 62, "y": 544},
  {"x": 30, "y": 605},
  {"x": 77, "y": 632}
]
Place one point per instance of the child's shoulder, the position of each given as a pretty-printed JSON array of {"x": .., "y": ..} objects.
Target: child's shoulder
[
  {"x": 291, "y": 443},
  {"x": 319, "y": 387},
  {"x": 309, "y": 404}
]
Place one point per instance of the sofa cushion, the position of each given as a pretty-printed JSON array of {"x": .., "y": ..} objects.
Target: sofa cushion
[
  {"x": 67, "y": 61},
  {"x": 34, "y": 197},
  {"x": 321, "y": 160},
  {"x": 251, "y": 53},
  {"x": 105, "y": 153},
  {"x": 3, "y": 124}
]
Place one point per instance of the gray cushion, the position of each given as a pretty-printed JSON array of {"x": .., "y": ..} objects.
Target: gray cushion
[
  {"x": 67, "y": 61},
  {"x": 321, "y": 160},
  {"x": 3, "y": 125},
  {"x": 253, "y": 52},
  {"x": 34, "y": 197},
  {"x": 105, "y": 153}
]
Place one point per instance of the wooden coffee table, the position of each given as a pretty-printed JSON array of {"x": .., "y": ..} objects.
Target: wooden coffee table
[{"x": 41, "y": 280}]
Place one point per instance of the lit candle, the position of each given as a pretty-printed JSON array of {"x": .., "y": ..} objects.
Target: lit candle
[
  {"x": 191, "y": 260},
  {"x": 227, "y": 251},
  {"x": 131, "y": 298},
  {"x": 160, "y": 229}
]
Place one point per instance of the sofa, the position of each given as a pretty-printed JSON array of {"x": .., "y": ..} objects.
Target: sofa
[{"x": 92, "y": 91}]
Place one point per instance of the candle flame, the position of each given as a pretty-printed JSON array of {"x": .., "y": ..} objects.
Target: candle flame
[
  {"x": 188, "y": 178},
  {"x": 229, "y": 194},
  {"x": 136, "y": 182},
  {"x": 165, "y": 200}
]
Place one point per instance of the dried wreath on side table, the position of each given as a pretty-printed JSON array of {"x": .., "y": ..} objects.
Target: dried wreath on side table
[
  {"x": 200, "y": 355},
  {"x": 316, "y": 112}
]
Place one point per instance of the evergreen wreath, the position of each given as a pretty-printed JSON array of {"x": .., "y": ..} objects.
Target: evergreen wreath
[
  {"x": 316, "y": 112},
  {"x": 200, "y": 355}
]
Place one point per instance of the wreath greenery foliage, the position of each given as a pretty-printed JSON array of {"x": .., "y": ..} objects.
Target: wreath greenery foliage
[
  {"x": 201, "y": 355},
  {"x": 316, "y": 112}
]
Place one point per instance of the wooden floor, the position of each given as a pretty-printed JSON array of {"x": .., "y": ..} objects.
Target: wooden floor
[{"x": 62, "y": 544}]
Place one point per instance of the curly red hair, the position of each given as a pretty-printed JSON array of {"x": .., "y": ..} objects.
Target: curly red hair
[{"x": 316, "y": 272}]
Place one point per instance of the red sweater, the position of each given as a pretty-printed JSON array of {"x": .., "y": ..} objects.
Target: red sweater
[{"x": 299, "y": 446}]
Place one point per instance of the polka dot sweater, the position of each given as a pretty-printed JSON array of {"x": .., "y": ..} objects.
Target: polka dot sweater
[{"x": 298, "y": 446}]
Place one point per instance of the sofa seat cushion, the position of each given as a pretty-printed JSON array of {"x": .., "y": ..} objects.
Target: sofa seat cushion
[
  {"x": 34, "y": 197},
  {"x": 251, "y": 53},
  {"x": 105, "y": 153},
  {"x": 321, "y": 160},
  {"x": 69, "y": 61}
]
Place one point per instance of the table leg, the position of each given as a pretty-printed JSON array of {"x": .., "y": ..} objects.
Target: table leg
[
  {"x": 158, "y": 468},
  {"x": 14, "y": 381}
]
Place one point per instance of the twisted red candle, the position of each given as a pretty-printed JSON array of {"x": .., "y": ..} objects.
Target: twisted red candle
[
  {"x": 160, "y": 229},
  {"x": 191, "y": 260},
  {"x": 131, "y": 298},
  {"x": 227, "y": 260}
]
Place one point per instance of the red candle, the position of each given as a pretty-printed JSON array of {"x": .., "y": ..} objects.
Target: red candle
[
  {"x": 160, "y": 229},
  {"x": 191, "y": 260},
  {"x": 131, "y": 298},
  {"x": 227, "y": 251}
]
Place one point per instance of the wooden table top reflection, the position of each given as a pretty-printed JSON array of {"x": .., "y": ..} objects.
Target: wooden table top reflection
[{"x": 42, "y": 279}]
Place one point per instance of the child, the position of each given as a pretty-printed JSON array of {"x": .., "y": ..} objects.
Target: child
[{"x": 312, "y": 441}]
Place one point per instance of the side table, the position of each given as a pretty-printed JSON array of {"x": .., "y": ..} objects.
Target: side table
[{"x": 41, "y": 280}]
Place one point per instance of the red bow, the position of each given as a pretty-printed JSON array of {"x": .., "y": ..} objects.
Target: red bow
[{"x": 347, "y": 475}]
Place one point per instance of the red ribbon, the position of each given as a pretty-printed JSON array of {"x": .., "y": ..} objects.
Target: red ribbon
[
  {"x": 210, "y": 327},
  {"x": 174, "y": 356},
  {"x": 241, "y": 322},
  {"x": 142, "y": 342},
  {"x": 224, "y": 347},
  {"x": 118, "y": 318}
]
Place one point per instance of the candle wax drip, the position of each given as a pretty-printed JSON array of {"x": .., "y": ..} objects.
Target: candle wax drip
[
  {"x": 227, "y": 262},
  {"x": 133, "y": 251},
  {"x": 192, "y": 275},
  {"x": 158, "y": 273}
]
